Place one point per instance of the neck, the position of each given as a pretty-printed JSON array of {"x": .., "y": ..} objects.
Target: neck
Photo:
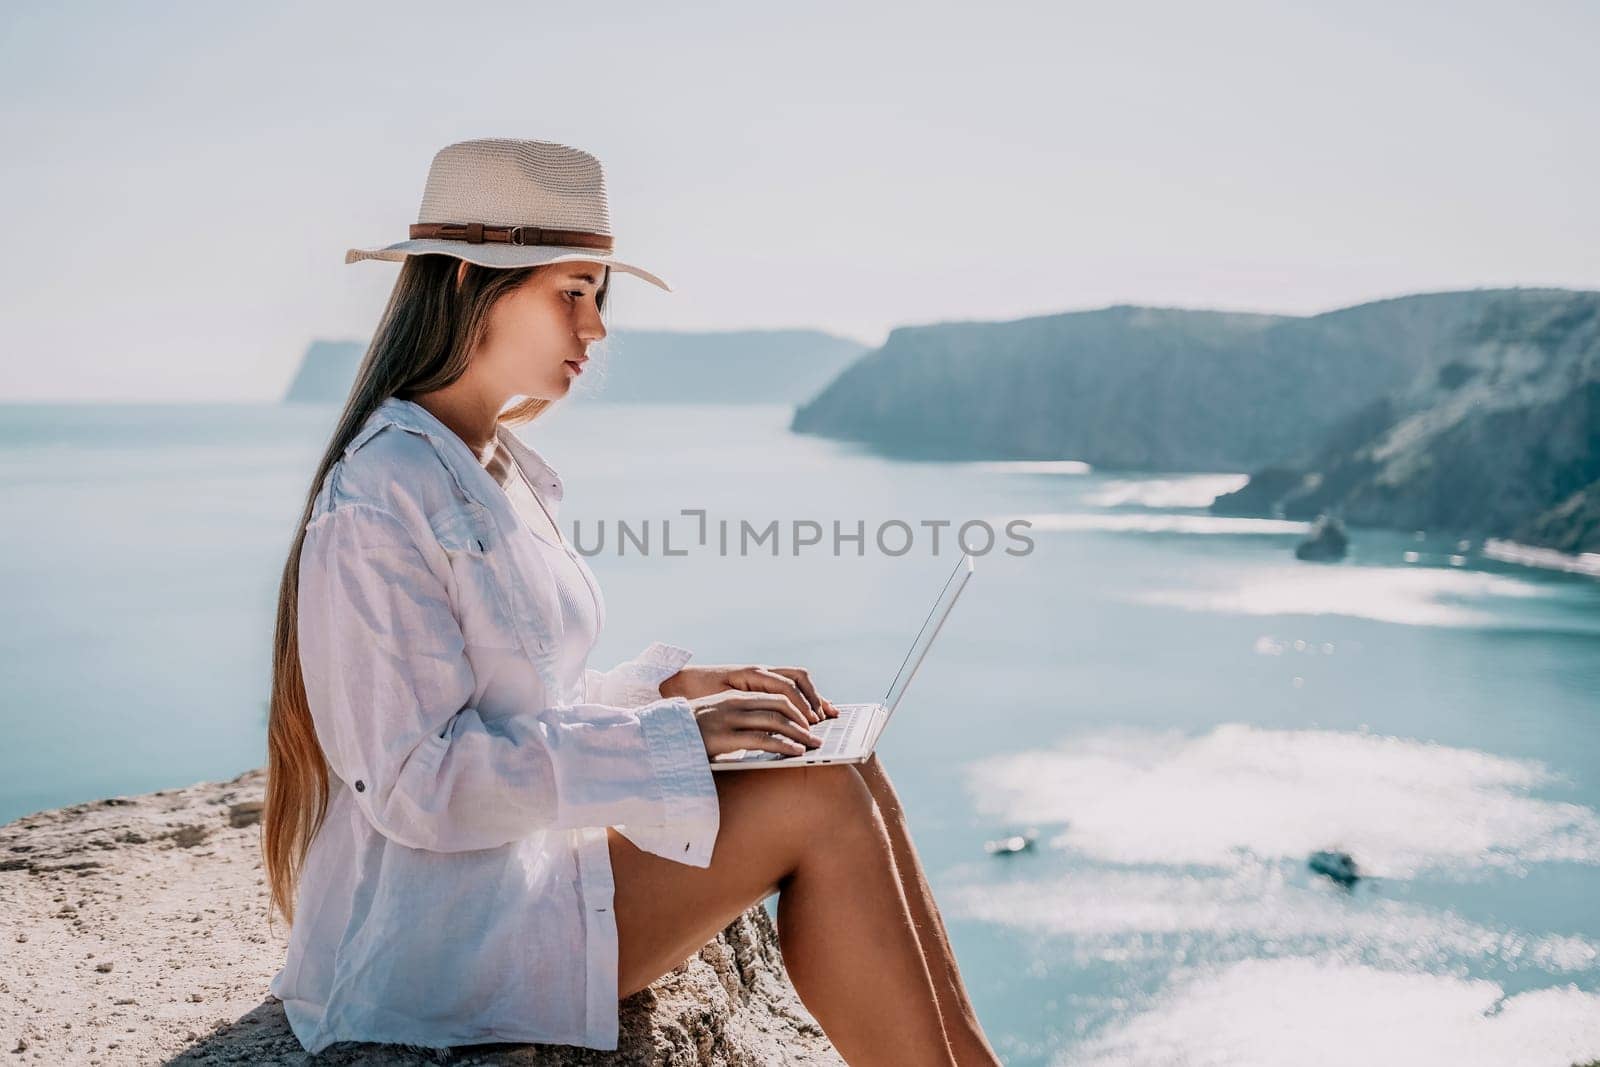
[{"x": 467, "y": 416}]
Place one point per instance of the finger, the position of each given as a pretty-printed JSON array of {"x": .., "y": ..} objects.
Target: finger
[
  {"x": 749, "y": 700},
  {"x": 776, "y": 722},
  {"x": 761, "y": 680},
  {"x": 771, "y": 681},
  {"x": 802, "y": 680},
  {"x": 759, "y": 739}
]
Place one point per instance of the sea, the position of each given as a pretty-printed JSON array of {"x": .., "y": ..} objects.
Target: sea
[{"x": 1134, "y": 731}]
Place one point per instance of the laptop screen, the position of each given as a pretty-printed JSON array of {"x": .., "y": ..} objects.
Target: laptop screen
[{"x": 930, "y": 630}]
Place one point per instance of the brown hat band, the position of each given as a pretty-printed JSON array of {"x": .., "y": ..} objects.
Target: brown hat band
[{"x": 477, "y": 233}]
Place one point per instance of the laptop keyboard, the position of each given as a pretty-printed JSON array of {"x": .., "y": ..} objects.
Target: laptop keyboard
[
  {"x": 837, "y": 736},
  {"x": 840, "y": 733}
]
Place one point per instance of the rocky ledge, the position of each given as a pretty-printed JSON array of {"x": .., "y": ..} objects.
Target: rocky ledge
[{"x": 134, "y": 930}]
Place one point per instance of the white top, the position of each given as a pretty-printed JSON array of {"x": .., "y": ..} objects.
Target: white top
[
  {"x": 459, "y": 890},
  {"x": 582, "y": 607}
]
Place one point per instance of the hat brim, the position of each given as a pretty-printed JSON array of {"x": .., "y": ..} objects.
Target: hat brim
[{"x": 497, "y": 254}]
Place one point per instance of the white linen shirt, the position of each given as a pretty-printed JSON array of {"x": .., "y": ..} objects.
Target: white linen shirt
[{"x": 459, "y": 890}]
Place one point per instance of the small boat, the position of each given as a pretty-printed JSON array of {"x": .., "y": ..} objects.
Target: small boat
[{"x": 1004, "y": 846}]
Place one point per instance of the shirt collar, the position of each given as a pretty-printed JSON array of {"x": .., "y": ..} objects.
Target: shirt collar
[
  {"x": 410, "y": 415},
  {"x": 533, "y": 464}
]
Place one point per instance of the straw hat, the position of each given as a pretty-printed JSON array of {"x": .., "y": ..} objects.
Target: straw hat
[{"x": 507, "y": 203}]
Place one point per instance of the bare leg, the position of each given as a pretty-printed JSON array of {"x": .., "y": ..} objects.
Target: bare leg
[
  {"x": 961, "y": 1027},
  {"x": 814, "y": 835}
]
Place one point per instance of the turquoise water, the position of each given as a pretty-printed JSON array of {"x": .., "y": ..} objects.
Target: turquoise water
[{"x": 1181, "y": 710}]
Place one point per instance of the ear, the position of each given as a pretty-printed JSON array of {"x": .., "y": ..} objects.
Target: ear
[{"x": 461, "y": 273}]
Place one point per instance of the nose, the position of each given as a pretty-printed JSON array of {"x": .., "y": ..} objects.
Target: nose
[{"x": 592, "y": 328}]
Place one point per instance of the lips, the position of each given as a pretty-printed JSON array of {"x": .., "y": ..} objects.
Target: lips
[{"x": 576, "y": 365}]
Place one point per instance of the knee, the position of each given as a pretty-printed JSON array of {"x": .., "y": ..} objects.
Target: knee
[
  {"x": 793, "y": 804},
  {"x": 840, "y": 790}
]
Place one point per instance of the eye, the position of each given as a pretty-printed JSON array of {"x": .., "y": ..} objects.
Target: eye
[{"x": 576, "y": 293}]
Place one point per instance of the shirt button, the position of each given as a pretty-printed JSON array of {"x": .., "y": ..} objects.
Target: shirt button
[{"x": 360, "y": 786}]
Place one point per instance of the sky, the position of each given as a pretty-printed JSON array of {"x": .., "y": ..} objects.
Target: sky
[{"x": 183, "y": 179}]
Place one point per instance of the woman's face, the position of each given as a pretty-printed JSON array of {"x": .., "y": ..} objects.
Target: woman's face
[{"x": 539, "y": 333}]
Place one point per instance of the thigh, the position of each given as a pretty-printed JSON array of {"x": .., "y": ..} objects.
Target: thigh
[{"x": 666, "y": 910}]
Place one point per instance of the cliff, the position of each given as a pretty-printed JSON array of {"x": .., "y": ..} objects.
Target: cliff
[
  {"x": 134, "y": 930},
  {"x": 1502, "y": 440},
  {"x": 1139, "y": 388},
  {"x": 326, "y": 372},
  {"x": 1124, "y": 387},
  {"x": 1473, "y": 412}
]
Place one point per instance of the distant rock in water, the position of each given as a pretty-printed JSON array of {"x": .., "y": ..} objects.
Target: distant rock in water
[
  {"x": 1327, "y": 541},
  {"x": 652, "y": 366},
  {"x": 1336, "y": 865},
  {"x": 1510, "y": 450},
  {"x": 327, "y": 371}
]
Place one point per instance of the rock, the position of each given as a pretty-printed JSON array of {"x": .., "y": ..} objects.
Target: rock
[
  {"x": 1336, "y": 865},
  {"x": 1327, "y": 541},
  {"x": 245, "y": 813},
  {"x": 190, "y": 836},
  {"x": 730, "y": 1003}
]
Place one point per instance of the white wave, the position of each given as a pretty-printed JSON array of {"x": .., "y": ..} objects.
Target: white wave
[
  {"x": 1148, "y": 522},
  {"x": 1194, "y": 491},
  {"x": 1240, "y": 792},
  {"x": 1119, "y": 915},
  {"x": 1322, "y": 1014},
  {"x": 1533, "y": 556},
  {"x": 1431, "y": 596}
]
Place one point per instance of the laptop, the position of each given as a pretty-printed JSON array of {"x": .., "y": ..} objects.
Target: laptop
[{"x": 851, "y": 736}]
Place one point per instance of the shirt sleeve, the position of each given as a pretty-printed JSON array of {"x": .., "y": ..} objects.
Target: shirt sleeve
[
  {"x": 390, "y": 687},
  {"x": 637, "y": 681}
]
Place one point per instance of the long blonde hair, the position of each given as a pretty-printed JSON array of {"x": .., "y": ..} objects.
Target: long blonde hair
[{"x": 423, "y": 342}]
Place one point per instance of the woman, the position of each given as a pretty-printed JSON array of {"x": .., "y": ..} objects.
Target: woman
[{"x": 474, "y": 836}]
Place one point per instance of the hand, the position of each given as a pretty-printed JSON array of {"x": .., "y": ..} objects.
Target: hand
[
  {"x": 794, "y": 683},
  {"x": 732, "y": 720}
]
